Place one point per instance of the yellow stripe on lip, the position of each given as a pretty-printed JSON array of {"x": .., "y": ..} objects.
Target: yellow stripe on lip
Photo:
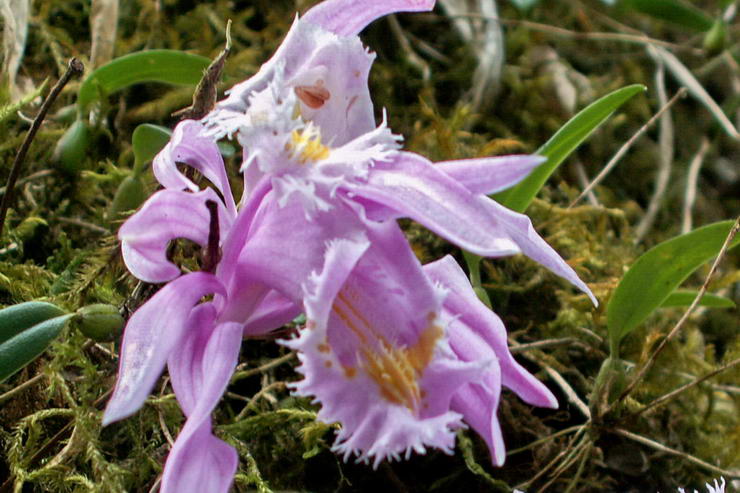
[{"x": 396, "y": 370}]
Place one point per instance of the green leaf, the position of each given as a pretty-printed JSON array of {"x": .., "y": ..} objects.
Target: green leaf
[
  {"x": 18, "y": 351},
  {"x": 565, "y": 141},
  {"x": 168, "y": 66},
  {"x": 684, "y": 297},
  {"x": 147, "y": 141},
  {"x": 674, "y": 11},
  {"x": 657, "y": 273},
  {"x": 17, "y": 318}
]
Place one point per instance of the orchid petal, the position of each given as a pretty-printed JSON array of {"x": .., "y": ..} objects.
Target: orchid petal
[
  {"x": 519, "y": 228},
  {"x": 309, "y": 59},
  {"x": 189, "y": 147},
  {"x": 349, "y": 17},
  {"x": 203, "y": 463},
  {"x": 476, "y": 332},
  {"x": 273, "y": 312},
  {"x": 412, "y": 186},
  {"x": 492, "y": 174},
  {"x": 292, "y": 261},
  {"x": 201, "y": 371},
  {"x": 478, "y": 405},
  {"x": 374, "y": 354},
  {"x": 167, "y": 215},
  {"x": 150, "y": 335}
]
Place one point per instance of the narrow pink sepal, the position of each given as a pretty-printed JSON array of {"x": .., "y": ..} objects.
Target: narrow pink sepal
[
  {"x": 349, "y": 17},
  {"x": 150, "y": 335}
]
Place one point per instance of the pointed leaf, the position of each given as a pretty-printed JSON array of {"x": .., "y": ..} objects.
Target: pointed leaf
[
  {"x": 168, "y": 66},
  {"x": 147, "y": 140},
  {"x": 565, "y": 141},
  {"x": 18, "y": 351},
  {"x": 674, "y": 11},
  {"x": 684, "y": 297},
  {"x": 17, "y": 318},
  {"x": 657, "y": 273}
]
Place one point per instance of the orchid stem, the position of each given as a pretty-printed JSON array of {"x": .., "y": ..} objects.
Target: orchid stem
[{"x": 75, "y": 67}]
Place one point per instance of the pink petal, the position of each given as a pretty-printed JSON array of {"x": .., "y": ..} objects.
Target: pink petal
[
  {"x": 189, "y": 147},
  {"x": 349, "y": 17},
  {"x": 413, "y": 187},
  {"x": 492, "y": 174},
  {"x": 200, "y": 373},
  {"x": 476, "y": 332},
  {"x": 150, "y": 335},
  {"x": 166, "y": 216},
  {"x": 374, "y": 354}
]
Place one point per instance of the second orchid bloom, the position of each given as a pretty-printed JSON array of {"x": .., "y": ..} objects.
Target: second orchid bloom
[{"x": 399, "y": 354}]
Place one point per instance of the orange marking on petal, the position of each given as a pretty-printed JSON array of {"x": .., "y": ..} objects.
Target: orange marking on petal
[
  {"x": 324, "y": 348},
  {"x": 313, "y": 96},
  {"x": 327, "y": 364}
]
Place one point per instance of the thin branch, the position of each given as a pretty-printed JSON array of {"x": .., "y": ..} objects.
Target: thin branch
[
  {"x": 640, "y": 39},
  {"x": 543, "y": 344},
  {"x": 651, "y": 361},
  {"x": 670, "y": 395},
  {"x": 665, "y": 160},
  {"x": 75, "y": 67},
  {"x": 691, "y": 183},
  {"x": 31, "y": 177},
  {"x": 569, "y": 392},
  {"x": 626, "y": 147},
  {"x": 20, "y": 388},
  {"x": 542, "y": 440},
  {"x": 690, "y": 458},
  {"x": 240, "y": 374}
]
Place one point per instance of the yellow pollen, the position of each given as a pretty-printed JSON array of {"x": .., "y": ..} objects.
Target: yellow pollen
[
  {"x": 396, "y": 370},
  {"x": 307, "y": 146}
]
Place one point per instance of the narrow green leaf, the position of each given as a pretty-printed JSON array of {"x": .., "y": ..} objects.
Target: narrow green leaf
[
  {"x": 684, "y": 297},
  {"x": 565, "y": 141},
  {"x": 147, "y": 141},
  {"x": 657, "y": 273},
  {"x": 17, "y": 318},
  {"x": 675, "y": 11},
  {"x": 18, "y": 351},
  {"x": 168, "y": 66}
]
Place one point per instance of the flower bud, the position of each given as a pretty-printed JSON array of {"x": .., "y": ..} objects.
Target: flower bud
[
  {"x": 72, "y": 147},
  {"x": 129, "y": 196},
  {"x": 716, "y": 38},
  {"x": 99, "y": 322}
]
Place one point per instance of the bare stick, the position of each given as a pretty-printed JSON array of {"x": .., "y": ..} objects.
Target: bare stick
[
  {"x": 594, "y": 36},
  {"x": 569, "y": 392},
  {"x": 665, "y": 160},
  {"x": 662, "y": 448},
  {"x": 626, "y": 147},
  {"x": 670, "y": 395},
  {"x": 649, "y": 364},
  {"x": 75, "y": 67},
  {"x": 691, "y": 181}
]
